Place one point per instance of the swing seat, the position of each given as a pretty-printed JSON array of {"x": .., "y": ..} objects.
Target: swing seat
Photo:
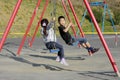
[{"x": 54, "y": 50}]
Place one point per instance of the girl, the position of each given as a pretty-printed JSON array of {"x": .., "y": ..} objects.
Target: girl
[{"x": 49, "y": 39}]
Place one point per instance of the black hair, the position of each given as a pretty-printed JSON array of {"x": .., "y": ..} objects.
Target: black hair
[
  {"x": 60, "y": 18},
  {"x": 44, "y": 21}
]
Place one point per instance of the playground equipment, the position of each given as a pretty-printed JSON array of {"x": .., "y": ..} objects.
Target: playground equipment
[
  {"x": 53, "y": 15},
  {"x": 106, "y": 10},
  {"x": 54, "y": 50},
  {"x": 113, "y": 63},
  {"x": 103, "y": 4},
  {"x": 66, "y": 11}
]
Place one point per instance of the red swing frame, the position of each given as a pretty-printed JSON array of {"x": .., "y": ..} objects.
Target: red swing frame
[{"x": 9, "y": 25}]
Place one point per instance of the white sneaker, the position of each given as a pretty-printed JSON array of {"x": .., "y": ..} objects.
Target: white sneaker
[
  {"x": 58, "y": 59},
  {"x": 64, "y": 62}
]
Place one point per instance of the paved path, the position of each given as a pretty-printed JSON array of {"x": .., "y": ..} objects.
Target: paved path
[{"x": 38, "y": 64}]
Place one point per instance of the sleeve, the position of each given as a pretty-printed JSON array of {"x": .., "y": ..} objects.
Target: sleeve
[
  {"x": 41, "y": 31},
  {"x": 61, "y": 29},
  {"x": 50, "y": 25}
]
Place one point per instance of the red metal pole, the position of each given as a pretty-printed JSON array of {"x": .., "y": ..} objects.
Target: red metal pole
[
  {"x": 29, "y": 26},
  {"x": 65, "y": 8},
  {"x": 9, "y": 25},
  {"x": 75, "y": 16},
  {"x": 104, "y": 1},
  {"x": 102, "y": 39},
  {"x": 37, "y": 27}
]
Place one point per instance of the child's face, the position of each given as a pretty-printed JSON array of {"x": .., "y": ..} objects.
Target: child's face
[{"x": 62, "y": 21}]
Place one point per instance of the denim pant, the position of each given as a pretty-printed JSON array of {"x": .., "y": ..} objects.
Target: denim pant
[
  {"x": 52, "y": 45},
  {"x": 75, "y": 41},
  {"x": 81, "y": 40}
]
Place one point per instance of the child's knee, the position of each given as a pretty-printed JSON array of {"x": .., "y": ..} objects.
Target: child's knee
[{"x": 85, "y": 40}]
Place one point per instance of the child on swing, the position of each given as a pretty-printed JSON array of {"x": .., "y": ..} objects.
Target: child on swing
[
  {"x": 49, "y": 38},
  {"x": 66, "y": 36}
]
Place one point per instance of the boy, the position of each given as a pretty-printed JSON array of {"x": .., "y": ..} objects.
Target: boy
[
  {"x": 49, "y": 39},
  {"x": 64, "y": 32}
]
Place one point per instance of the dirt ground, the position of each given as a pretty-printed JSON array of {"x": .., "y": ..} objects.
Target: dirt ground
[{"x": 36, "y": 63}]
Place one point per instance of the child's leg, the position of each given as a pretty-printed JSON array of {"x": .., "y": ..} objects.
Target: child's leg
[
  {"x": 61, "y": 52},
  {"x": 83, "y": 42}
]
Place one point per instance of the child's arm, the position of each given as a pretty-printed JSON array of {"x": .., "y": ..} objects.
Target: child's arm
[
  {"x": 50, "y": 25},
  {"x": 41, "y": 31},
  {"x": 44, "y": 32},
  {"x": 67, "y": 28}
]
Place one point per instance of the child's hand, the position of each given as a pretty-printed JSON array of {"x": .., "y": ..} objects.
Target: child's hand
[
  {"x": 70, "y": 24},
  {"x": 53, "y": 18}
]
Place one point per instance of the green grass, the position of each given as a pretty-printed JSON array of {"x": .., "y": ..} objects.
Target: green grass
[{"x": 25, "y": 12}]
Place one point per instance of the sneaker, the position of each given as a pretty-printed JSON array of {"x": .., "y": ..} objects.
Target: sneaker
[
  {"x": 64, "y": 62},
  {"x": 58, "y": 59},
  {"x": 95, "y": 50},
  {"x": 91, "y": 52}
]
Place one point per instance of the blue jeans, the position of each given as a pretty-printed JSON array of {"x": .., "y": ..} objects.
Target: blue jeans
[
  {"x": 81, "y": 40},
  {"x": 75, "y": 41},
  {"x": 52, "y": 45}
]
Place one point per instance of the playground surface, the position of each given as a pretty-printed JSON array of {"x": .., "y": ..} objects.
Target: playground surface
[{"x": 36, "y": 63}]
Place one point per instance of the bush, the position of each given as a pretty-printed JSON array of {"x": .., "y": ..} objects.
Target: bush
[
  {"x": 116, "y": 17},
  {"x": 98, "y": 15},
  {"x": 115, "y": 6}
]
